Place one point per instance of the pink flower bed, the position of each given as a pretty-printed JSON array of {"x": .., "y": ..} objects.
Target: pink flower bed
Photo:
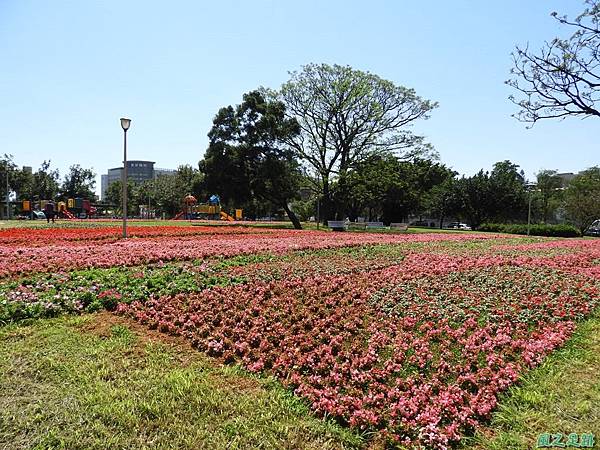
[
  {"x": 418, "y": 350},
  {"x": 415, "y": 342},
  {"x": 24, "y": 259}
]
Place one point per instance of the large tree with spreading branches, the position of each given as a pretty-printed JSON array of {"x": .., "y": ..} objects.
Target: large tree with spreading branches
[{"x": 345, "y": 116}]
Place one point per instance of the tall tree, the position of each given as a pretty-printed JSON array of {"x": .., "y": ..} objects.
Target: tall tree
[
  {"x": 426, "y": 174},
  {"x": 549, "y": 185},
  {"x": 508, "y": 198},
  {"x": 345, "y": 115},
  {"x": 22, "y": 183},
  {"x": 79, "y": 182},
  {"x": 388, "y": 187},
  {"x": 498, "y": 195},
  {"x": 563, "y": 78},
  {"x": 8, "y": 171},
  {"x": 114, "y": 196},
  {"x": 43, "y": 185},
  {"x": 582, "y": 198},
  {"x": 475, "y": 198},
  {"x": 247, "y": 157},
  {"x": 443, "y": 200},
  {"x": 375, "y": 182},
  {"x": 166, "y": 193}
]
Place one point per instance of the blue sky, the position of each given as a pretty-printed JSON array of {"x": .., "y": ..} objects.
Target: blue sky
[{"x": 71, "y": 69}]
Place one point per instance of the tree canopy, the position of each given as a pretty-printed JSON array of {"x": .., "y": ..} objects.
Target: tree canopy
[
  {"x": 345, "y": 115},
  {"x": 388, "y": 188},
  {"x": 549, "y": 192},
  {"x": 582, "y": 198},
  {"x": 41, "y": 185},
  {"x": 499, "y": 195},
  {"x": 247, "y": 158},
  {"x": 79, "y": 182}
]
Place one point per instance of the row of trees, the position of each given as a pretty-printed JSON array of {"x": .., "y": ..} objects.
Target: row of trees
[
  {"x": 337, "y": 139},
  {"x": 341, "y": 134},
  {"x": 332, "y": 139},
  {"x": 45, "y": 183},
  {"x": 380, "y": 187}
]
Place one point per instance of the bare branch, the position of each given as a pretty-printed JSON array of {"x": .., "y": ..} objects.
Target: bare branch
[{"x": 563, "y": 78}]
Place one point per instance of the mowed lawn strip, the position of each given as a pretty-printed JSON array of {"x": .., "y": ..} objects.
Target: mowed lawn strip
[
  {"x": 99, "y": 381},
  {"x": 560, "y": 396}
]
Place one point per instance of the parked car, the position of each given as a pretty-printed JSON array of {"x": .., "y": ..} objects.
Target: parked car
[
  {"x": 593, "y": 229},
  {"x": 459, "y": 226}
]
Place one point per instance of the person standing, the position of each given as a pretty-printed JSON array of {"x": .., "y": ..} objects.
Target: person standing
[{"x": 49, "y": 211}]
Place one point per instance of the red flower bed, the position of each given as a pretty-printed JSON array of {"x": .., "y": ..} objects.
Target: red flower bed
[
  {"x": 45, "y": 236},
  {"x": 419, "y": 350}
]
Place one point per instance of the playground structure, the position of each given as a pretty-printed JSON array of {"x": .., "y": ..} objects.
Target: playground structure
[
  {"x": 210, "y": 211},
  {"x": 73, "y": 208}
]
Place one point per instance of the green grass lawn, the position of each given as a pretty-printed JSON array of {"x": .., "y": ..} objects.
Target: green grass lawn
[{"x": 98, "y": 381}]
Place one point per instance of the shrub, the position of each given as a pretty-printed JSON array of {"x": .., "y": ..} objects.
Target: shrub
[{"x": 560, "y": 230}]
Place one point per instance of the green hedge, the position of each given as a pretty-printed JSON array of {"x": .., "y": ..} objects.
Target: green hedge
[{"x": 535, "y": 230}]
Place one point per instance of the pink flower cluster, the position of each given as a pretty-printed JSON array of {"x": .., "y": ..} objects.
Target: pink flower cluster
[{"x": 418, "y": 350}]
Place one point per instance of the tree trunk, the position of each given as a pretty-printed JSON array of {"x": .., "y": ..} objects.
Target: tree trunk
[
  {"x": 326, "y": 203},
  {"x": 292, "y": 216}
]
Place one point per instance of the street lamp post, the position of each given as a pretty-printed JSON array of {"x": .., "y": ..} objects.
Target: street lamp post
[{"x": 125, "y": 123}]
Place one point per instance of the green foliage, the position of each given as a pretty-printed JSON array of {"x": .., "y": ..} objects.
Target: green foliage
[
  {"x": 247, "y": 160},
  {"x": 168, "y": 191},
  {"x": 41, "y": 185},
  {"x": 387, "y": 187},
  {"x": 498, "y": 195},
  {"x": 8, "y": 171},
  {"x": 560, "y": 230},
  {"x": 79, "y": 182},
  {"x": 345, "y": 115},
  {"x": 114, "y": 195},
  {"x": 582, "y": 198},
  {"x": 549, "y": 193},
  {"x": 165, "y": 193},
  {"x": 443, "y": 199},
  {"x": 97, "y": 289}
]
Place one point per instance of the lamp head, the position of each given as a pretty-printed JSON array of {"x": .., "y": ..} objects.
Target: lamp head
[{"x": 125, "y": 123}]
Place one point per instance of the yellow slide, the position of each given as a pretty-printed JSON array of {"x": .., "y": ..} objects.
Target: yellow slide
[{"x": 226, "y": 216}]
